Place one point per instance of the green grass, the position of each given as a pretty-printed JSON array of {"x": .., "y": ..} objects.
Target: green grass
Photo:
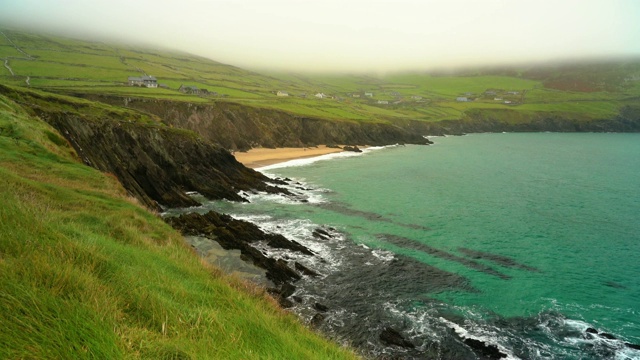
[
  {"x": 85, "y": 272},
  {"x": 7, "y": 50},
  {"x": 68, "y": 65}
]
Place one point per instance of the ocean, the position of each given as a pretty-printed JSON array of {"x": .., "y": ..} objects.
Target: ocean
[{"x": 528, "y": 242}]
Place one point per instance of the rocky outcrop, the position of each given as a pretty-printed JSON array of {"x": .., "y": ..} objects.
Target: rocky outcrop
[
  {"x": 478, "y": 121},
  {"x": 156, "y": 164},
  {"x": 390, "y": 336},
  {"x": 241, "y": 127},
  {"x": 237, "y": 234}
]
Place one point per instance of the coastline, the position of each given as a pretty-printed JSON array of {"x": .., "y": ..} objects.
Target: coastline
[{"x": 261, "y": 157}]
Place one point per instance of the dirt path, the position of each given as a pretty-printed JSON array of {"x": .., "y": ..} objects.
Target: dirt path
[
  {"x": 16, "y": 46},
  {"x": 6, "y": 64}
]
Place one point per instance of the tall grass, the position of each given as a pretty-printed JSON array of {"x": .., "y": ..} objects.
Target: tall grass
[{"x": 85, "y": 272}]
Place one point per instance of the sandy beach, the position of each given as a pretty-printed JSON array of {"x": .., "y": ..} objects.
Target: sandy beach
[{"x": 260, "y": 157}]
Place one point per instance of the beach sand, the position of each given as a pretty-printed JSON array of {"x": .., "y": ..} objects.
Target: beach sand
[{"x": 260, "y": 157}]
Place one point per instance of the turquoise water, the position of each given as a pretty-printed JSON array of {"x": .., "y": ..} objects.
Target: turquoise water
[{"x": 529, "y": 239}]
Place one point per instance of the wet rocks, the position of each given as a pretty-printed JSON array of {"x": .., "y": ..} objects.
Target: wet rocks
[
  {"x": 320, "y": 307},
  {"x": 237, "y": 234},
  {"x": 305, "y": 270},
  {"x": 486, "y": 351},
  {"x": 317, "y": 319},
  {"x": 352, "y": 148},
  {"x": 391, "y": 336},
  {"x": 321, "y": 234}
]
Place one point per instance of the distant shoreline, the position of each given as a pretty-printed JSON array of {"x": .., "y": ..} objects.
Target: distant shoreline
[{"x": 260, "y": 157}]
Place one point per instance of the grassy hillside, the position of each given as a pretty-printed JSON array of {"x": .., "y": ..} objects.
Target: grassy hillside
[
  {"x": 592, "y": 90},
  {"x": 86, "y": 272}
]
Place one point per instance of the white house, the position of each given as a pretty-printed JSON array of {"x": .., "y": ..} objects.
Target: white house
[
  {"x": 282, "y": 93},
  {"x": 462, "y": 99},
  {"x": 321, "y": 96},
  {"x": 148, "y": 81},
  {"x": 383, "y": 102},
  {"x": 369, "y": 94}
]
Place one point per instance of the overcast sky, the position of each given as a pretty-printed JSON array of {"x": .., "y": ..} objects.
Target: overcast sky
[{"x": 351, "y": 35}]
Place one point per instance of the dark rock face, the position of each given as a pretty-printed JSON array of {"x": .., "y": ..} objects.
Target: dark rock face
[
  {"x": 237, "y": 234},
  {"x": 320, "y": 307},
  {"x": 391, "y": 336},
  {"x": 484, "y": 350},
  {"x": 305, "y": 270},
  {"x": 239, "y": 127},
  {"x": 157, "y": 164},
  {"x": 352, "y": 149},
  {"x": 477, "y": 121},
  {"x": 317, "y": 319}
]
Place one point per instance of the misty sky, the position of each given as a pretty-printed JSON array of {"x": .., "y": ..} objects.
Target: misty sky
[{"x": 350, "y": 35}]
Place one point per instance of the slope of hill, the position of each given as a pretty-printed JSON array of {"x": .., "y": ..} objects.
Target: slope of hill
[
  {"x": 86, "y": 272},
  {"x": 587, "y": 90}
]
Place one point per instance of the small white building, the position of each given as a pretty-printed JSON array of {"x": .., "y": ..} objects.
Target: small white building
[
  {"x": 369, "y": 94},
  {"x": 462, "y": 99},
  {"x": 320, "y": 95},
  {"x": 383, "y": 102},
  {"x": 282, "y": 93},
  {"x": 148, "y": 81}
]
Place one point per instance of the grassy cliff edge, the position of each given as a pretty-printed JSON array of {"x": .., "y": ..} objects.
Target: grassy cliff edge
[{"x": 86, "y": 272}]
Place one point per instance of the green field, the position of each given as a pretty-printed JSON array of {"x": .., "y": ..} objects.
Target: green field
[{"x": 68, "y": 65}]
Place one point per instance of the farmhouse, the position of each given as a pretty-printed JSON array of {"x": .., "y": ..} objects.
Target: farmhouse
[
  {"x": 369, "y": 94},
  {"x": 282, "y": 93},
  {"x": 148, "y": 81},
  {"x": 320, "y": 95},
  {"x": 383, "y": 102},
  {"x": 193, "y": 90},
  {"x": 462, "y": 99}
]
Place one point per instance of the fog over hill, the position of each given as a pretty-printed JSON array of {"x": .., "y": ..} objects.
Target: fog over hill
[{"x": 352, "y": 35}]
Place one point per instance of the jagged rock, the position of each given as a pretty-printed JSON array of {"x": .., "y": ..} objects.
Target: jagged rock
[
  {"x": 591, "y": 331},
  {"x": 157, "y": 164},
  {"x": 287, "y": 290},
  {"x": 633, "y": 346},
  {"x": 391, "y": 336},
  {"x": 279, "y": 241},
  {"x": 352, "y": 148},
  {"x": 237, "y": 234},
  {"x": 607, "y": 336},
  {"x": 285, "y": 303},
  {"x": 305, "y": 270},
  {"x": 321, "y": 234},
  {"x": 486, "y": 351},
  {"x": 320, "y": 307},
  {"x": 297, "y": 299},
  {"x": 317, "y": 319}
]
